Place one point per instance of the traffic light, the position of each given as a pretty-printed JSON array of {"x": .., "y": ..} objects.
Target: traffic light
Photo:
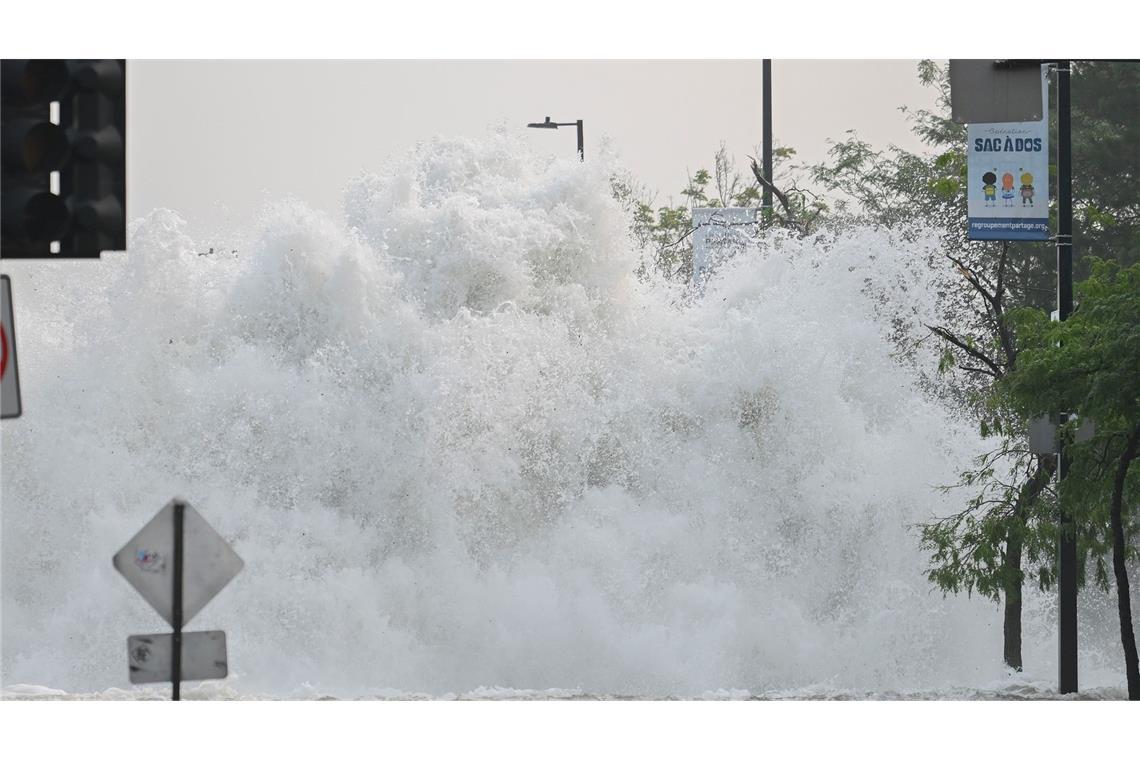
[{"x": 85, "y": 144}]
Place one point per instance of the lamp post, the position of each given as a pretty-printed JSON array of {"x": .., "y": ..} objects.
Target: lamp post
[
  {"x": 1067, "y": 561},
  {"x": 548, "y": 124}
]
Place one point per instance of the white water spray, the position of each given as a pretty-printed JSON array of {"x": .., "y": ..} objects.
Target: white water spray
[{"x": 459, "y": 444}]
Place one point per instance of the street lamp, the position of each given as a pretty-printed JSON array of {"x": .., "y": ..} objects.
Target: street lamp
[{"x": 548, "y": 124}]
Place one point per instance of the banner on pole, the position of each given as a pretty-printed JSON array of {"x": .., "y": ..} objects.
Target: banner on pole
[{"x": 1007, "y": 164}]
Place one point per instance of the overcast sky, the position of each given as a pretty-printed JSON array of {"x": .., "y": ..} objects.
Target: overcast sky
[{"x": 215, "y": 139}]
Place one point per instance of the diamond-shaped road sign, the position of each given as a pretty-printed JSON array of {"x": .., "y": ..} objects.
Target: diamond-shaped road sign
[
  {"x": 147, "y": 562},
  {"x": 203, "y": 656},
  {"x": 9, "y": 377}
]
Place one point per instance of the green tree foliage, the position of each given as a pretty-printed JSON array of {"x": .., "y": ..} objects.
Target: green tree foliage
[
  {"x": 1106, "y": 162},
  {"x": 1003, "y": 535},
  {"x": 927, "y": 191},
  {"x": 1090, "y": 364},
  {"x": 1006, "y": 532},
  {"x": 900, "y": 189}
]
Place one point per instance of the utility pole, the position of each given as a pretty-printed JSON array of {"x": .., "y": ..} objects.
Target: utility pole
[
  {"x": 767, "y": 76},
  {"x": 1067, "y": 544}
]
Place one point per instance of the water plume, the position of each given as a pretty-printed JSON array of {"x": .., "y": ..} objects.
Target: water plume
[{"x": 459, "y": 444}]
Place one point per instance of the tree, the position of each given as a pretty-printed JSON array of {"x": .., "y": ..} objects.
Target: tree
[
  {"x": 1106, "y": 161},
  {"x": 1090, "y": 364},
  {"x": 796, "y": 211},
  {"x": 1004, "y": 533},
  {"x": 660, "y": 232}
]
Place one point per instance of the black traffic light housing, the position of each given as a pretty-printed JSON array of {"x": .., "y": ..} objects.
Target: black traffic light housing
[{"x": 87, "y": 147}]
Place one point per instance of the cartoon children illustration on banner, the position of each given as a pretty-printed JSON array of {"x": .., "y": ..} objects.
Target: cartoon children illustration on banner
[
  {"x": 989, "y": 188},
  {"x": 1026, "y": 189},
  {"x": 1007, "y": 189}
]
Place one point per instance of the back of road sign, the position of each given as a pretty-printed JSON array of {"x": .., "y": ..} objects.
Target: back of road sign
[
  {"x": 9, "y": 377},
  {"x": 203, "y": 656},
  {"x": 981, "y": 93},
  {"x": 147, "y": 563},
  {"x": 1042, "y": 435}
]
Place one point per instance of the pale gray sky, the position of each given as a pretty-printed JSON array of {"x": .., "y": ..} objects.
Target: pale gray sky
[{"x": 215, "y": 139}]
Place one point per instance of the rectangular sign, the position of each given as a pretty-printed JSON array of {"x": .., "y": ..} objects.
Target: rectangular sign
[
  {"x": 1007, "y": 194},
  {"x": 981, "y": 91},
  {"x": 719, "y": 234},
  {"x": 9, "y": 376},
  {"x": 203, "y": 656},
  {"x": 1042, "y": 436}
]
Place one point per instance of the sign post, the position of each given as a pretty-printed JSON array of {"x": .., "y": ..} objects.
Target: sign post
[
  {"x": 9, "y": 376},
  {"x": 176, "y": 602},
  {"x": 178, "y": 563}
]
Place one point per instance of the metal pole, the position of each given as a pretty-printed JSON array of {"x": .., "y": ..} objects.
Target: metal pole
[
  {"x": 176, "y": 612},
  {"x": 1067, "y": 544},
  {"x": 767, "y": 67},
  {"x": 581, "y": 143}
]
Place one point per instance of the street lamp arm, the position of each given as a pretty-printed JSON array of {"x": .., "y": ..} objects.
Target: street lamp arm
[{"x": 548, "y": 124}]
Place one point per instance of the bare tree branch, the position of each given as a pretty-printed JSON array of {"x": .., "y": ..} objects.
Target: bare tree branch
[
  {"x": 790, "y": 219},
  {"x": 950, "y": 337},
  {"x": 979, "y": 370}
]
